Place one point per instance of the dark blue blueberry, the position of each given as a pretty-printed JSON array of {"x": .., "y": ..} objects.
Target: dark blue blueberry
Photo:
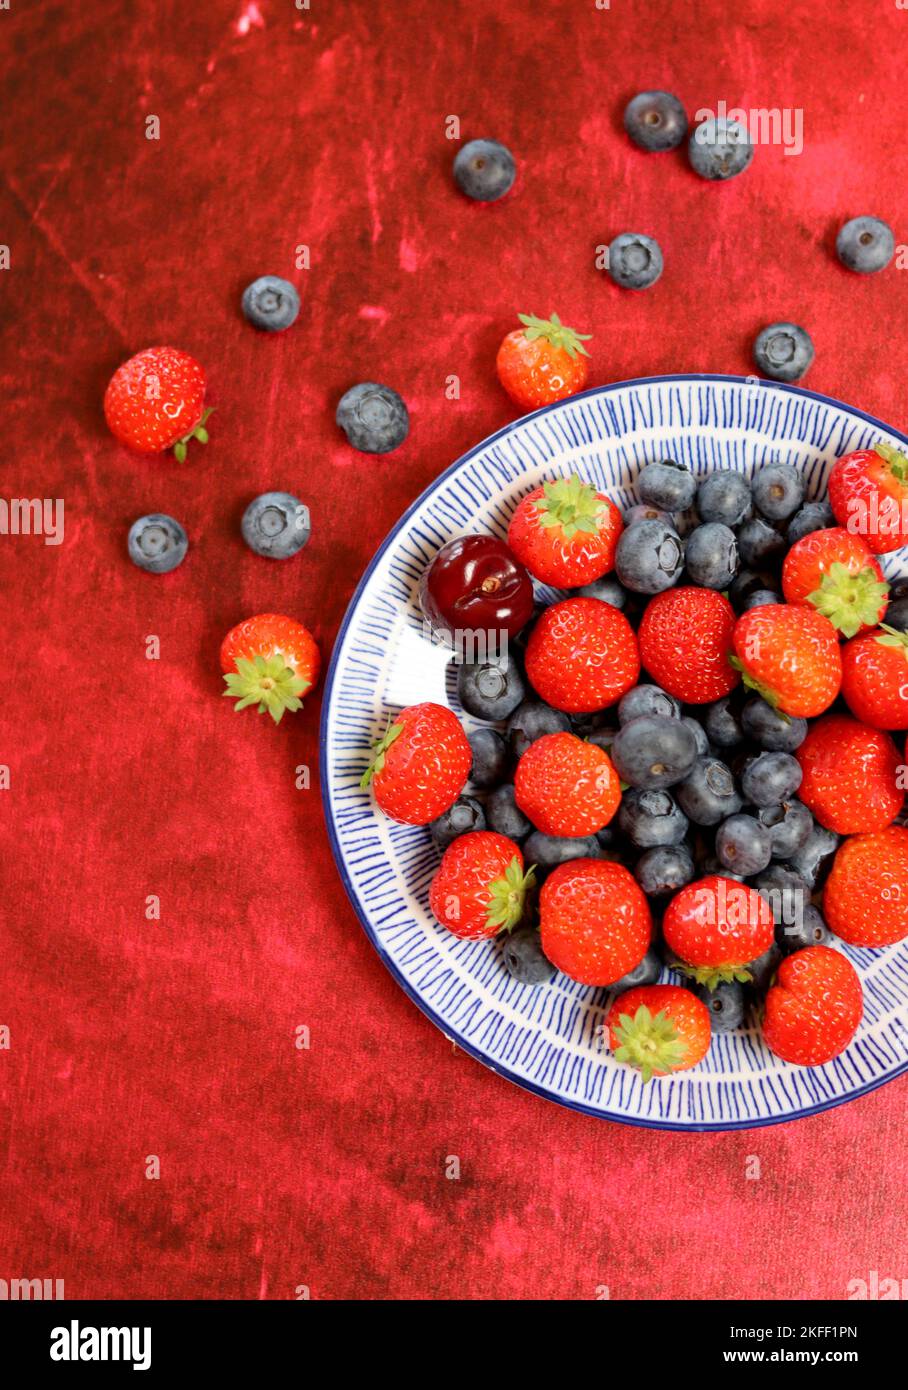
[
  {"x": 602, "y": 737},
  {"x": 157, "y": 543},
  {"x": 522, "y": 957},
  {"x": 725, "y": 1004},
  {"x": 651, "y": 818},
  {"x": 548, "y": 851},
  {"x": 668, "y": 485},
  {"x": 808, "y": 929},
  {"x": 761, "y": 598},
  {"x": 271, "y": 303},
  {"x": 642, "y": 511},
  {"x": 607, "y": 590},
  {"x": 664, "y": 869},
  {"x": 711, "y": 555},
  {"x": 813, "y": 516},
  {"x": 490, "y": 690},
  {"x": 634, "y": 261},
  {"x": 743, "y": 844},
  {"x": 770, "y": 778},
  {"x": 785, "y": 891},
  {"x": 652, "y": 751},
  {"x": 763, "y": 969},
  {"x": 655, "y": 121},
  {"x": 585, "y": 724},
  {"x": 276, "y": 524},
  {"x": 698, "y": 732},
  {"x": 745, "y": 583},
  {"x": 532, "y": 720},
  {"x": 897, "y": 615},
  {"x": 465, "y": 815},
  {"x": 646, "y": 973},
  {"x": 373, "y": 417},
  {"x": 722, "y": 724},
  {"x": 484, "y": 170},
  {"x": 713, "y": 865},
  {"x": 724, "y": 496},
  {"x": 504, "y": 816},
  {"x": 783, "y": 351},
  {"x": 759, "y": 543},
  {"x": 708, "y": 794},
  {"x": 649, "y": 557},
  {"x": 814, "y": 859},
  {"x": 778, "y": 491},
  {"x": 789, "y": 826},
  {"x": 491, "y": 759},
  {"x": 865, "y": 244},
  {"x": 770, "y": 729},
  {"x": 720, "y": 148},
  {"x": 647, "y": 699}
]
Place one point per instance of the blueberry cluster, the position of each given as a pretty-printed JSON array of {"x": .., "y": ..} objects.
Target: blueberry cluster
[{"x": 275, "y": 524}]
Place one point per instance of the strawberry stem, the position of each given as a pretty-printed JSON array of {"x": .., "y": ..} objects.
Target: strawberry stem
[
  {"x": 379, "y": 749},
  {"x": 266, "y": 681},
  {"x": 507, "y": 896},
  {"x": 199, "y": 432},
  {"x": 850, "y": 601},
  {"x": 554, "y": 332},
  {"x": 649, "y": 1043}
]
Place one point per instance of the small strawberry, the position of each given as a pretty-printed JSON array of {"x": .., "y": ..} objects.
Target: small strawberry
[
  {"x": 865, "y": 900},
  {"x": 582, "y": 655},
  {"x": 813, "y": 1008},
  {"x": 836, "y": 573},
  {"x": 659, "y": 1029},
  {"x": 480, "y": 888},
  {"x": 868, "y": 491},
  {"x": 875, "y": 678},
  {"x": 420, "y": 765},
  {"x": 542, "y": 362},
  {"x": 566, "y": 533},
  {"x": 789, "y": 655},
  {"x": 567, "y": 786},
  {"x": 269, "y": 661},
  {"x": 850, "y": 775},
  {"x": 717, "y": 926},
  {"x": 685, "y": 643},
  {"x": 595, "y": 920},
  {"x": 156, "y": 401}
]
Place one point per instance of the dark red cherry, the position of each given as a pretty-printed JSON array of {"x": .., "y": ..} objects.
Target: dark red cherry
[{"x": 476, "y": 584}]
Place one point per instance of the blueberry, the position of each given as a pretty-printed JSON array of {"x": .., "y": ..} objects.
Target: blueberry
[
  {"x": 785, "y": 892},
  {"x": 664, "y": 869},
  {"x": 725, "y": 1004},
  {"x": 708, "y": 794},
  {"x": 668, "y": 485},
  {"x": 743, "y": 844},
  {"x": 814, "y": 859},
  {"x": 711, "y": 555},
  {"x": 808, "y": 929},
  {"x": 789, "y": 826},
  {"x": 643, "y": 511},
  {"x": 759, "y": 543},
  {"x": 770, "y": 778},
  {"x": 764, "y": 968},
  {"x": 647, "y": 699},
  {"x": 504, "y": 816},
  {"x": 783, "y": 351},
  {"x": 491, "y": 759},
  {"x": 271, "y": 303},
  {"x": 646, "y": 973},
  {"x": 745, "y": 583},
  {"x": 653, "y": 751},
  {"x": 602, "y": 737},
  {"x": 490, "y": 689},
  {"x": 698, "y": 732},
  {"x": 655, "y": 121},
  {"x": 634, "y": 261},
  {"x": 897, "y": 615},
  {"x": 724, "y": 496},
  {"x": 373, "y": 417},
  {"x": 778, "y": 491},
  {"x": 157, "y": 543},
  {"x": 651, "y": 818},
  {"x": 548, "y": 851},
  {"x": 760, "y": 598},
  {"x": 722, "y": 725},
  {"x": 865, "y": 244},
  {"x": 649, "y": 557},
  {"x": 276, "y": 524},
  {"x": 720, "y": 148},
  {"x": 531, "y": 720},
  {"x": 484, "y": 170},
  {"x": 523, "y": 958},
  {"x": 813, "y": 516},
  {"x": 770, "y": 729},
  {"x": 465, "y": 815},
  {"x": 607, "y": 590},
  {"x": 713, "y": 865}
]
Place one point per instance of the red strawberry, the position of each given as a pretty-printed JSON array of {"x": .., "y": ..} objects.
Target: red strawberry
[
  {"x": 156, "y": 401},
  {"x": 813, "y": 1009},
  {"x": 790, "y": 656},
  {"x": 567, "y": 786},
  {"x": 582, "y": 655},
  {"x": 542, "y": 362},
  {"x": 685, "y": 643},
  {"x": 566, "y": 533},
  {"x": 868, "y": 491},
  {"x": 480, "y": 888},
  {"x": 865, "y": 900},
  {"x": 838, "y": 575},
  {"x": 850, "y": 775},
  {"x": 717, "y": 926},
  {"x": 420, "y": 765},
  {"x": 269, "y": 661},
  {"x": 875, "y": 678},
  {"x": 595, "y": 920},
  {"x": 659, "y": 1029}
]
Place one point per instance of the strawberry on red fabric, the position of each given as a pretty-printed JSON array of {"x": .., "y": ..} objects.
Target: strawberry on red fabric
[
  {"x": 542, "y": 362},
  {"x": 789, "y": 655},
  {"x": 480, "y": 887},
  {"x": 567, "y": 786},
  {"x": 582, "y": 655},
  {"x": 868, "y": 492},
  {"x": 659, "y": 1029},
  {"x": 685, "y": 641},
  {"x": 269, "y": 661},
  {"x": 717, "y": 926},
  {"x": 156, "y": 401},
  {"x": 813, "y": 1008},
  {"x": 865, "y": 901},
  {"x": 595, "y": 920},
  {"x": 875, "y": 678},
  {"x": 839, "y": 576},
  {"x": 566, "y": 533},
  {"x": 851, "y": 775},
  {"x": 420, "y": 765}
]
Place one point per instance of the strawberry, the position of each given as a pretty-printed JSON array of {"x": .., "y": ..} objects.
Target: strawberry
[
  {"x": 875, "y": 678},
  {"x": 865, "y": 900},
  {"x": 480, "y": 888},
  {"x": 717, "y": 926},
  {"x": 566, "y": 533},
  {"x": 789, "y": 655},
  {"x": 582, "y": 655},
  {"x": 850, "y": 775},
  {"x": 269, "y": 661},
  {"x": 420, "y": 765},
  {"x": 542, "y": 362},
  {"x": 156, "y": 401},
  {"x": 868, "y": 491},
  {"x": 567, "y": 786},
  {"x": 836, "y": 573},
  {"x": 813, "y": 1008},
  {"x": 659, "y": 1029},
  {"x": 685, "y": 643},
  {"x": 595, "y": 920}
]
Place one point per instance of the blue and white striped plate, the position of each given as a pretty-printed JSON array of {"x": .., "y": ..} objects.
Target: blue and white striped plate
[{"x": 549, "y": 1039}]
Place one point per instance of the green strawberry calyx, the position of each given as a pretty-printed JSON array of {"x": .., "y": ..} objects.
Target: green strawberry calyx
[
  {"x": 571, "y": 504},
  {"x": 712, "y": 975},
  {"x": 896, "y": 461},
  {"x": 893, "y": 638},
  {"x": 266, "y": 681},
  {"x": 507, "y": 896},
  {"x": 649, "y": 1042},
  {"x": 554, "y": 332},
  {"x": 200, "y": 433},
  {"x": 379, "y": 750},
  {"x": 765, "y": 692},
  {"x": 850, "y": 601}
]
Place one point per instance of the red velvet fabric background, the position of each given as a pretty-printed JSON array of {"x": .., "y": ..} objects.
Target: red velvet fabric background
[{"x": 326, "y": 1167}]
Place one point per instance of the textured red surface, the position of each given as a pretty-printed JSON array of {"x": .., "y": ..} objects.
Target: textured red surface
[{"x": 326, "y": 1167}]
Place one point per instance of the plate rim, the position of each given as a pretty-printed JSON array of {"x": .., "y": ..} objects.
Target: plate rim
[{"x": 718, "y": 1126}]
